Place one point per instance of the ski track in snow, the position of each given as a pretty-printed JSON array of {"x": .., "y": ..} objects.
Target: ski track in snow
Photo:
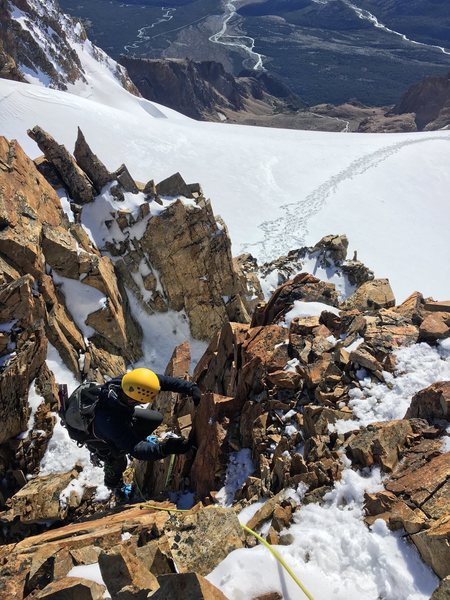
[
  {"x": 244, "y": 42},
  {"x": 365, "y": 15},
  {"x": 291, "y": 229}
]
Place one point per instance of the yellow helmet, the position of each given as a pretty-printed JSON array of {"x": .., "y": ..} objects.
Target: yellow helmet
[{"x": 142, "y": 385}]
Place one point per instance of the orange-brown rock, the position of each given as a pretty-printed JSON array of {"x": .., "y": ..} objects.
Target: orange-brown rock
[
  {"x": 90, "y": 163},
  {"x": 412, "y": 308},
  {"x": 253, "y": 424},
  {"x": 438, "y": 505},
  {"x": 364, "y": 358},
  {"x": 59, "y": 327},
  {"x": 264, "y": 350},
  {"x": 38, "y": 500},
  {"x": 125, "y": 575},
  {"x": 15, "y": 380},
  {"x": 385, "y": 505},
  {"x": 188, "y": 586},
  {"x": 418, "y": 485},
  {"x": 433, "y": 306},
  {"x": 285, "y": 380},
  {"x": 178, "y": 366},
  {"x": 201, "y": 539},
  {"x": 77, "y": 183},
  {"x": 303, "y": 287},
  {"x": 435, "y": 326},
  {"x": 156, "y": 557},
  {"x": 212, "y": 420},
  {"x": 434, "y": 546},
  {"x": 217, "y": 370},
  {"x": 203, "y": 276},
  {"x": 317, "y": 419},
  {"x": 26, "y": 202},
  {"x": 431, "y": 403},
  {"x": 266, "y": 511},
  {"x": 389, "y": 331},
  {"x": 316, "y": 373},
  {"x": 72, "y": 588},
  {"x": 16, "y": 560},
  {"x": 379, "y": 443},
  {"x": 372, "y": 295}
]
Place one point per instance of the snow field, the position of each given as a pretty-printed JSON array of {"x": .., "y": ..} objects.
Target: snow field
[
  {"x": 418, "y": 366},
  {"x": 276, "y": 189},
  {"x": 334, "y": 555}
]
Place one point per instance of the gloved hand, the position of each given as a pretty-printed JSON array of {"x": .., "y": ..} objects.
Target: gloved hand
[
  {"x": 196, "y": 395},
  {"x": 176, "y": 446}
]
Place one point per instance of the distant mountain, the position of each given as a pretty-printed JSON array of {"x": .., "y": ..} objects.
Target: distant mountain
[
  {"x": 429, "y": 100},
  {"x": 325, "y": 51},
  {"x": 203, "y": 90}
]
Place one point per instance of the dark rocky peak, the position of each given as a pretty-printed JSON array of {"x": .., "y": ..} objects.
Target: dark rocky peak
[
  {"x": 429, "y": 100},
  {"x": 201, "y": 90}
]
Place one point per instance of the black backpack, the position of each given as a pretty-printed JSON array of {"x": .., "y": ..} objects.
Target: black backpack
[{"x": 77, "y": 413}]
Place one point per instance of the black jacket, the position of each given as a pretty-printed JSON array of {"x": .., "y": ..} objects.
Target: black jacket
[{"x": 113, "y": 418}]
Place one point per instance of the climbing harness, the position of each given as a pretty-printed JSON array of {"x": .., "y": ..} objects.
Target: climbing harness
[{"x": 272, "y": 550}]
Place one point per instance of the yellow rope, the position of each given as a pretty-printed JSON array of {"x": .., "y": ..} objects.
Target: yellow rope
[
  {"x": 279, "y": 559},
  {"x": 277, "y": 556}
]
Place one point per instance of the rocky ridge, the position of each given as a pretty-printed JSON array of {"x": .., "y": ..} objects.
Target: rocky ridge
[
  {"x": 43, "y": 250},
  {"x": 204, "y": 90},
  {"x": 38, "y": 42},
  {"x": 273, "y": 383}
]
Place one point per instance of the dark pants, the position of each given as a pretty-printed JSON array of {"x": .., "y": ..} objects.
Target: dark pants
[{"x": 144, "y": 423}]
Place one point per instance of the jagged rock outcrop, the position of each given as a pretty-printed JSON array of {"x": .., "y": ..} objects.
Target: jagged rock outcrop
[
  {"x": 373, "y": 295},
  {"x": 329, "y": 252},
  {"x": 78, "y": 185},
  {"x": 39, "y": 500},
  {"x": 184, "y": 262},
  {"x": 90, "y": 163},
  {"x": 39, "y": 253},
  {"x": 122, "y": 542},
  {"x": 431, "y": 403},
  {"x": 273, "y": 388},
  {"x": 379, "y": 443}
]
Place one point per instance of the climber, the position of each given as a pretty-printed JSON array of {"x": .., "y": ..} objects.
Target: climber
[{"x": 108, "y": 420}]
